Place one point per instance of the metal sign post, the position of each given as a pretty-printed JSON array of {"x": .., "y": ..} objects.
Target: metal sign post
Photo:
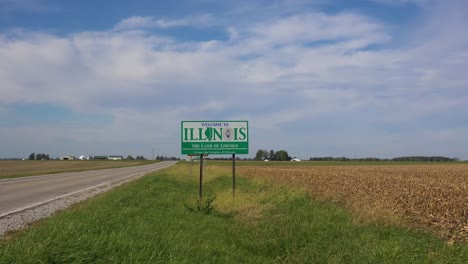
[
  {"x": 190, "y": 167},
  {"x": 201, "y": 177},
  {"x": 204, "y": 163},
  {"x": 233, "y": 175}
]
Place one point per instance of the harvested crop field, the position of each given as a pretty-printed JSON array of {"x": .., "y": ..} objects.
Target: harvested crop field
[
  {"x": 11, "y": 169},
  {"x": 430, "y": 197}
]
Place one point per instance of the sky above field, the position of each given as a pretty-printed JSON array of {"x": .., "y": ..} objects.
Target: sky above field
[{"x": 364, "y": 78}]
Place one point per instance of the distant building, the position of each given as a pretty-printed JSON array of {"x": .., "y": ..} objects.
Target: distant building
[
  {"x": 68, "y": 158},
  {"x": 114, "y": 157},
  {"x": 100, "y": 158}
]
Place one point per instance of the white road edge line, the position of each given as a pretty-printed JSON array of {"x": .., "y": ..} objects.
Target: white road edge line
[{"x": 79, "y": 191}]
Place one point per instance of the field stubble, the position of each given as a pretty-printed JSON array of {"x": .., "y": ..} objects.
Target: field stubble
[
  {"x": 21, "y": 168},
  {"x": 431, "y": 197}
]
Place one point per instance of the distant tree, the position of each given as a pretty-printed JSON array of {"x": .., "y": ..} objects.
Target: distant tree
[
  {"x": 424, "y": 158},
  {"x": 272, "y": 155},
  {"x": 47, "y": 157},
  {"x": 129, "y": 157},
  {"x": 282, "y": 155},
  {"x": 261, "y": 154},
  {"x": 329, "y": 159},
  {"x": 32, "y": 156}
]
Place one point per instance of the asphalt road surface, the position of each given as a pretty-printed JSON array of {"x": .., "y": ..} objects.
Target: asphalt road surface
[{"x": 21, "y": 192}]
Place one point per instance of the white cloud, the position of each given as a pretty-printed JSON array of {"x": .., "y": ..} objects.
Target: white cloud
[
  {"x": 139, "y": 22},
  {"x": 403, "y": 2},
  {"x": 316, "y": 27},
  {"x": 278, "y": 73}
]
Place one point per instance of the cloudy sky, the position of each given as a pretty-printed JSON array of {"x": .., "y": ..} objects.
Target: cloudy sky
[{"x": 365, "y": 78}]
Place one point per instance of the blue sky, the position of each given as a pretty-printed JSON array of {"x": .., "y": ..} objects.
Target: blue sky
[{"x": 372, "y": 78}]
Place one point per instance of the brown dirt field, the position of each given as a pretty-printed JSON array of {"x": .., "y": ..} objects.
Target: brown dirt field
[
  {"x": 429, "y": 197},
  {"x": 18, "y": 168}
]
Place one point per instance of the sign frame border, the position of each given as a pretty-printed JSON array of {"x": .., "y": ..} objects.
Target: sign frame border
[{"x": 213, "y": 121}]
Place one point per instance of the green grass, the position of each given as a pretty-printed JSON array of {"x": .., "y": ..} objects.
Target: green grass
[{"x": 156, "y": 220}]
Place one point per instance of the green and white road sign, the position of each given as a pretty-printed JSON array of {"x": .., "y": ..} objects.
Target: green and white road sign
[{"x": 214, "y": 137}]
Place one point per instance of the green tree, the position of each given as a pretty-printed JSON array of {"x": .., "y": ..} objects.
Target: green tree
[
  {"x": 259, "y": 154},
  {"x": 272, "y": 155},
  {"x": 282, "y": 155}
]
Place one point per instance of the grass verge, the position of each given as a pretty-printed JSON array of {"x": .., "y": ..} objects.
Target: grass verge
[{"x": 158, "y": 220}]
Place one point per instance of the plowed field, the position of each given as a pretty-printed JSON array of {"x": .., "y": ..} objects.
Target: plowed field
[{"x": 430, "y": 197}]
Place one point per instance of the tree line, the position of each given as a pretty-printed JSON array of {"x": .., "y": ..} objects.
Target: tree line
[
  {"x": 405, "y": 158},
  {"x": 425, "y": 158},
  {"x": 280, "y": 155},
  {"x": 42, "y": 156},
  {"x": 39, "y": 156},
  {"x": 130, "y": 157}
]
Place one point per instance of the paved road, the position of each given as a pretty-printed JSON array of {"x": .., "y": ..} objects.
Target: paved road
[{"x": 21, "y": 192}]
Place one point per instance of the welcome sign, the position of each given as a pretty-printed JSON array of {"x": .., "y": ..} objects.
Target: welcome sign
[{"x": 214, "y": 137}]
